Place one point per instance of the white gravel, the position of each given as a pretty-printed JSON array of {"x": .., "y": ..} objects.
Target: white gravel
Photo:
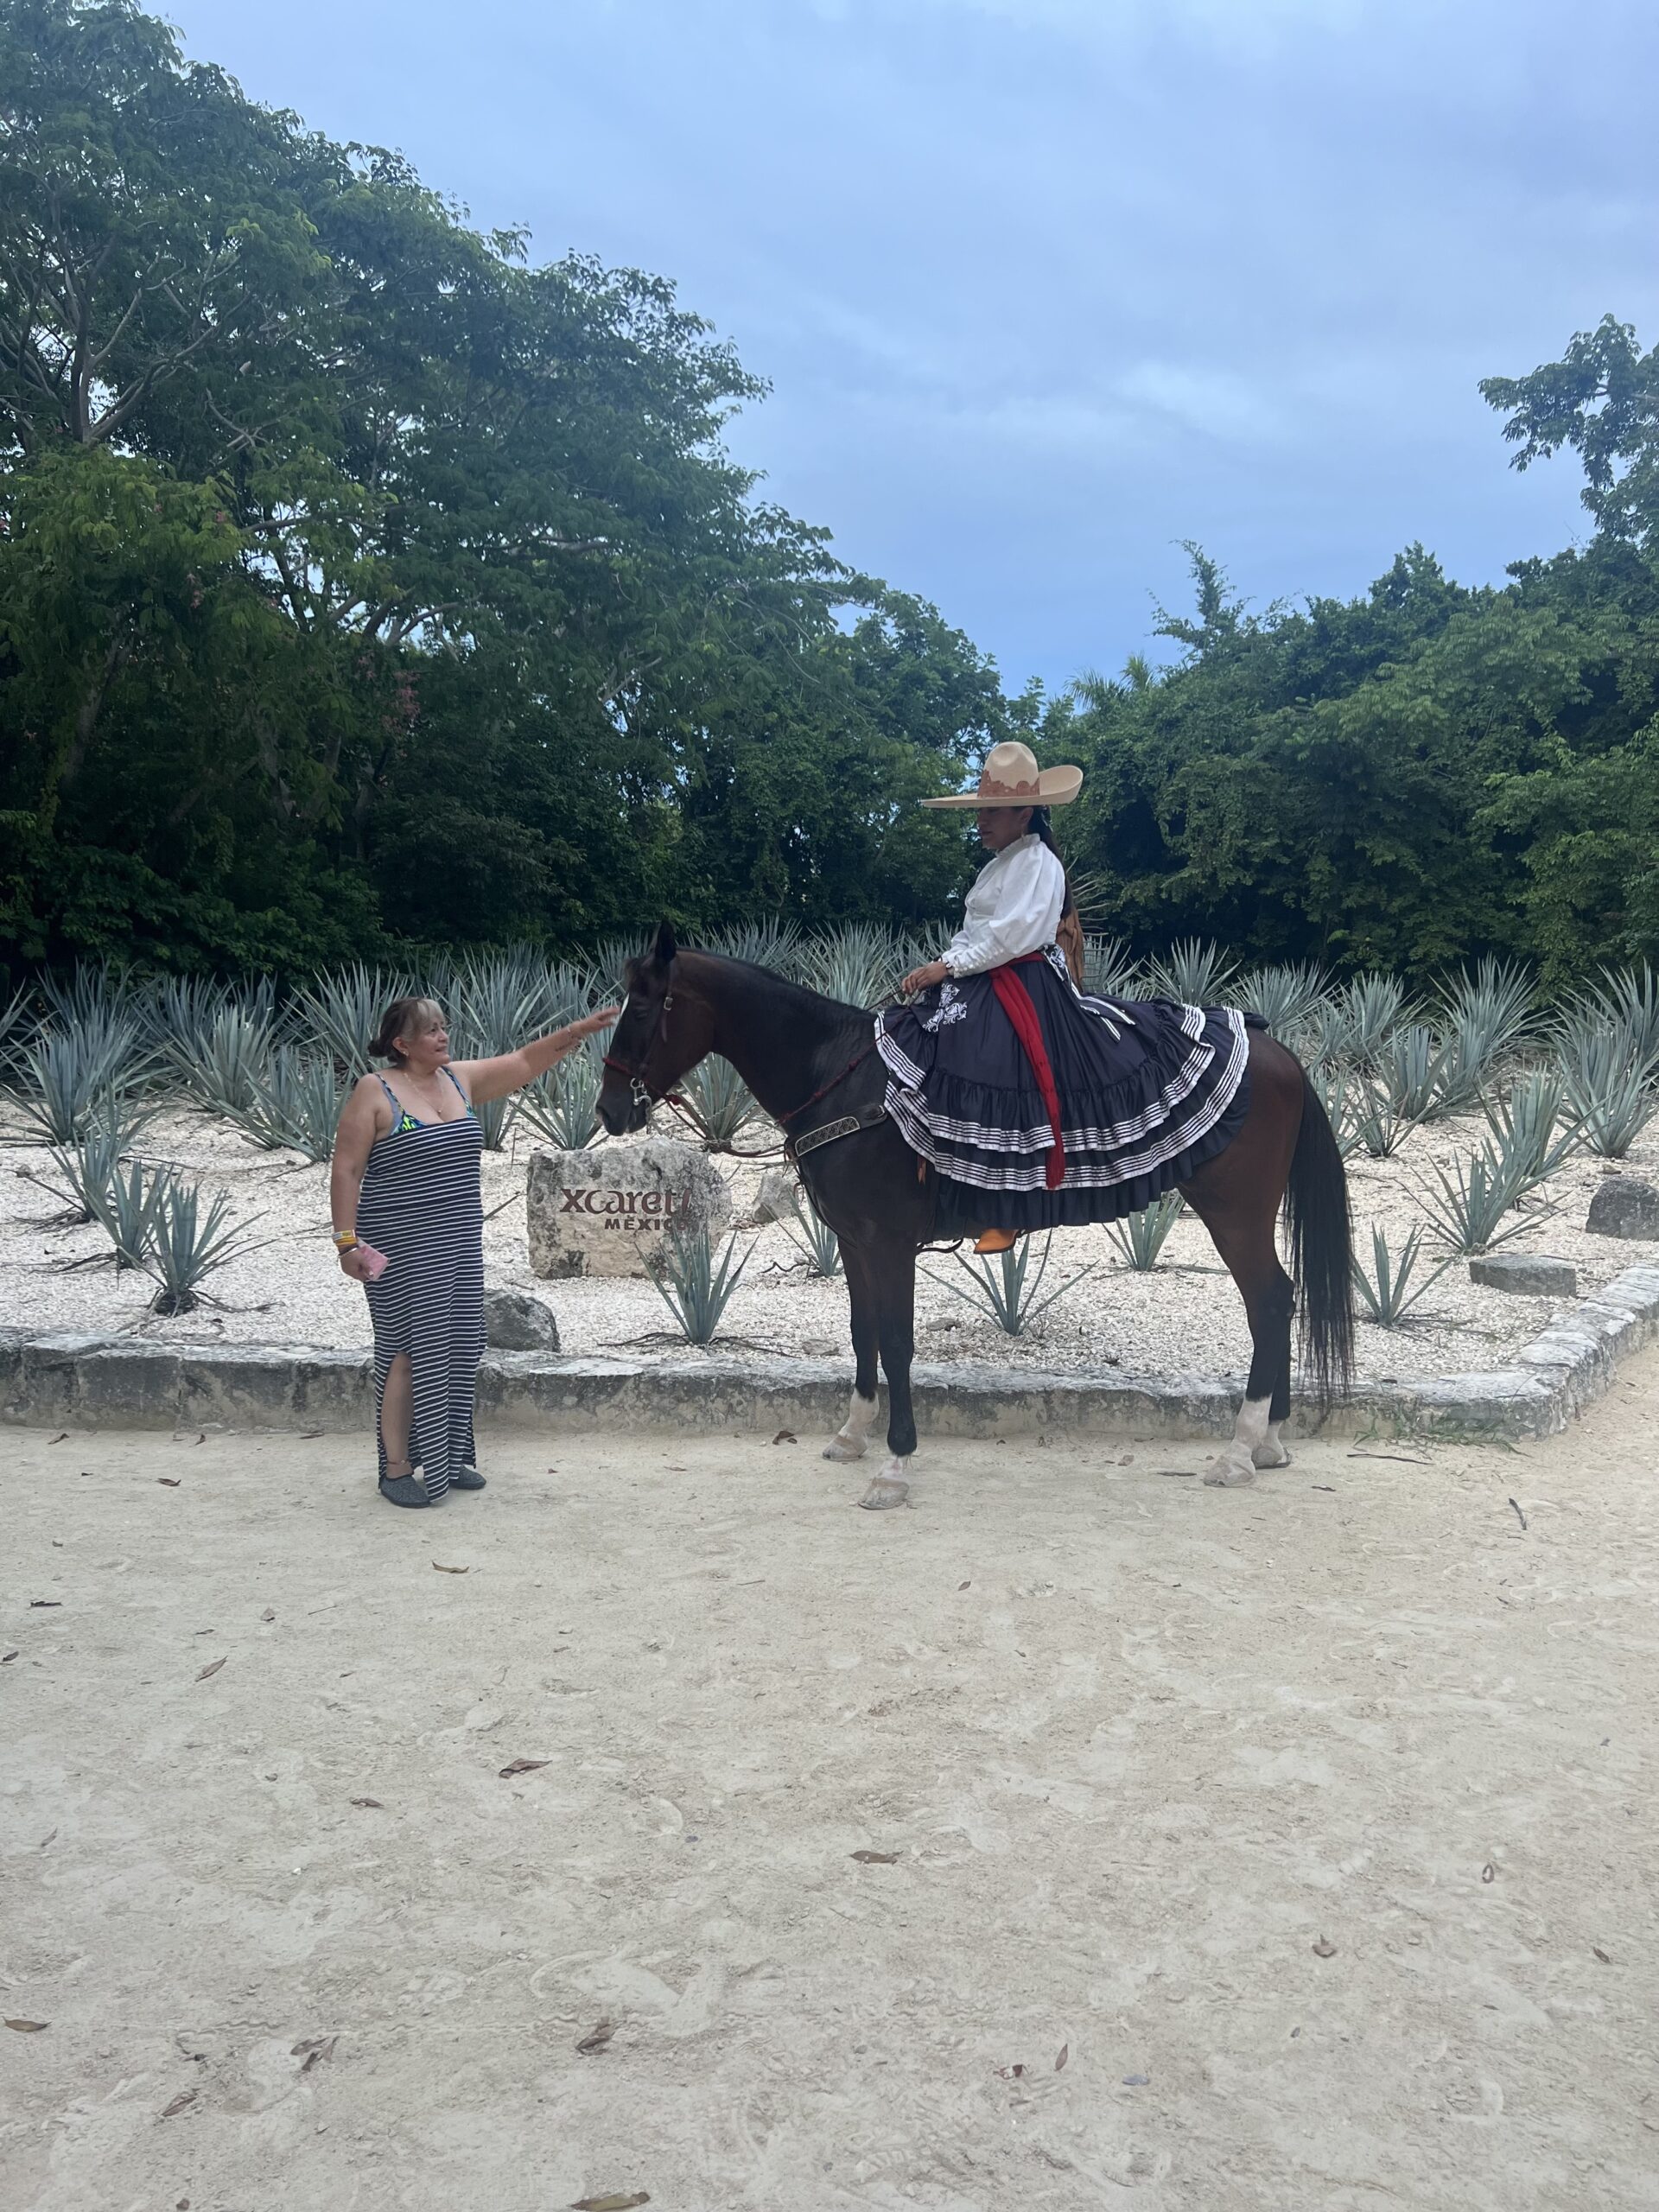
[{"x": 1183, "y": 1317}]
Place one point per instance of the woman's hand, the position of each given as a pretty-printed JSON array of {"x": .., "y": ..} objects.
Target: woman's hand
[
  {"x": 924, "y": 978},
  {"x": 353, "y": 1263},
  {"x": 591, "y": 1024}
]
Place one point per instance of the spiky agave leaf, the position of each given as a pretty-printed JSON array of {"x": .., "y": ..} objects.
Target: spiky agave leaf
[
  {"x": 186, "y": 1248},
  {"x": 697, "y": 1292},
  {"x": 1387, "y": 1294},
  {"x": 1193, "y": 972},
  {"x": 1140, "y": 1236}
]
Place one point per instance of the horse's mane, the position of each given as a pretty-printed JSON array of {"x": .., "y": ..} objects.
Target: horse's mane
[{"x": 801, "y": 995}]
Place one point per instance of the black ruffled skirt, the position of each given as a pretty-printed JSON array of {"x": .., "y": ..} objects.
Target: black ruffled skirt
[{"x": 1148, "y": 1092}]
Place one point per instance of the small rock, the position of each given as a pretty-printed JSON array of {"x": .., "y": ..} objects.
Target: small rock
[
  {"x": 775, "y": 1199},
  {"x": 1526, "y": 1274},
  {"x": 1624, "y": 1206},
  {"x": 515, "y": 1320}
]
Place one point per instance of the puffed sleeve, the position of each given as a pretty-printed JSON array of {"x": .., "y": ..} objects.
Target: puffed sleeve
[{"x": 1030, "y": 892}]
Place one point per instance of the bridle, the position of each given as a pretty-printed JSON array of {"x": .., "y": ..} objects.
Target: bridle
[
  {"x": 642, "y": 1095},
  {"x": 640, "y": 1090}
]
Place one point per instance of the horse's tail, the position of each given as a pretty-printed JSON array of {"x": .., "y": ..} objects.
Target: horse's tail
[{"x": 1321, "y": 1245}]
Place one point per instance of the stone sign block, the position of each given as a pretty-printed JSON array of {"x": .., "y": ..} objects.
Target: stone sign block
[
  {"x": 607, "y": 1211},
  {"x": 1625, "y": 1205}
]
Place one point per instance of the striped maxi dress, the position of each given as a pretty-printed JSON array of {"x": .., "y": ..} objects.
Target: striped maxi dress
[{"x": 423, "y": 1206}]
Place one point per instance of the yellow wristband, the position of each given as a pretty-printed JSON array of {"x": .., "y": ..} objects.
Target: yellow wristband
[{"x": 344, "y": 1240}]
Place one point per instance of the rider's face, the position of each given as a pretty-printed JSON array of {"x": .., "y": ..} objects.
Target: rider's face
[{"x": 1001, "y": 825}]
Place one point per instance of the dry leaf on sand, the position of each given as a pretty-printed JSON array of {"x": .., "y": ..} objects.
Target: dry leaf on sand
[
  {"x": 596, "y": 2037},
  {"x": 28, "y": 2027},
  {"x": 521, "y": 1766},
  {"x": 185, "y": 2097},
  {"x": 212, "y": 1667},
  {"x": 614, "y": 2203},
  {"x": 876, "y": 1858},
  {"x": 1325, "y": 1949},
  {"x": 169, "y": 1482},
  {"x": 442, "y": 1569}
]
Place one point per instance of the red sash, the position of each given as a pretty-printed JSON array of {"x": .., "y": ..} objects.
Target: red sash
[{"x": 1016, "y": 1001}]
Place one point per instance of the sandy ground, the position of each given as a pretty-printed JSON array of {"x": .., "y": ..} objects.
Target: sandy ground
[
  {"x": 1283, "y": 1848},
  {"x": 1184, "y": 1316}
]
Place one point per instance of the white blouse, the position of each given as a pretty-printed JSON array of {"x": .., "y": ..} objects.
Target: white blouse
[{"x": 1013, "y": 908}]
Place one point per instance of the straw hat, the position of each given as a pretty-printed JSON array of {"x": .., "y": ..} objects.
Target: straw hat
[{"x": 1012, "y": 777}]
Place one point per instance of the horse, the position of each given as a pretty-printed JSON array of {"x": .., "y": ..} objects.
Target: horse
[{"x": 812, "y": 1065}]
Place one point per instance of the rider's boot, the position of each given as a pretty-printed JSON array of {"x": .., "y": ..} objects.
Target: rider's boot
[{"x": 998, "y": 1239}]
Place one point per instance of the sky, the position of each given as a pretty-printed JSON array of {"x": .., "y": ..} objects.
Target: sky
[{"x": 1044, "y": 287}]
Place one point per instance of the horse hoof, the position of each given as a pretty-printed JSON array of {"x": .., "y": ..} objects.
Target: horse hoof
[
  {"x": 883, "y": 1494},
  {"x": 1270, "y": 1455},
  {"x": 1230, "y": 1470},
  {"x": 844, "y": 1450}
]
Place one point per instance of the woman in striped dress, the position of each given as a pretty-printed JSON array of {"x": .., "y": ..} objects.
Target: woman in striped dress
[{"x": 406, "y": 1186}]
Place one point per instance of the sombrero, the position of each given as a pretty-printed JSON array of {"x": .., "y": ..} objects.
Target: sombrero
[{"x": 1011, "y": 776}]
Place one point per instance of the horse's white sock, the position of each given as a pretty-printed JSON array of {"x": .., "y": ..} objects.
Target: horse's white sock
[
  {"x": 1235, "y": 1463},
  {"x": 1273, "y": 1451},
  {"x": 850, "y": 1438}
]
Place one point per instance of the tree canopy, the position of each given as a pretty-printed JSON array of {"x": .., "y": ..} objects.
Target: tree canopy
[{"x": 363, "y": 578}]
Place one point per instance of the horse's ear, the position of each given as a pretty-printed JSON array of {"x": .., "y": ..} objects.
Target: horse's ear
[{"x": 665, "y": 948}]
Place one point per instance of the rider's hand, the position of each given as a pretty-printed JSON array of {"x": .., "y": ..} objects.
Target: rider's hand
[
  {"x": 924, "y": 978},
  {"x": 353, "y": 1263}
]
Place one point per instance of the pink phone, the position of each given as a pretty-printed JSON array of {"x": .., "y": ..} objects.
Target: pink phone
[{"x": 374, "y": 1263}]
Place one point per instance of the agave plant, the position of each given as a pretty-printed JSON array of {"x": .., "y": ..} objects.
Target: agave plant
[
  {"x": 858, "y": 965},
  {"x": 720, "y": 1102},
  {"x": 70, "y": 1068},
  {"x": 185, "y": 1011},
  {"x": 611, "y": 958},
  {"x": 1005, "y": 1288},
  {"x": 1338, "y": 1091},
  {"x": 697, "y": 1292},
  {"x": 1140, "y": 1238},
  {"x": 771, "y": 944},
  {"x": 1371, "y": 1008},
  {"x": 495, "y": 1001},
  {"x": 296, "y": 1103},
  {"x": 1482, "y": 1016},
  {"x": 1285, "y": 996},
  {"x": 127, "y": 1207},
  {"x": 564, "y": 1105},
  {"x": 220, "y": 1065},
  {"x": 1387, "y": 1294},
  {"x": 1410, "y": 1066},
  {"x": 1625, "y": 998},
  {"x": 1111, "y": 970},
  {"x": 186, "y": 1247},
  {"x": 1469, "y": 1209},
  {"x": 86, "y": 1167},
  {"x": 812, "y": 1237},
  {"x": 1380, "y": 1123},
  {"x": 14, "y": 1023},
  {"x": 339, "y": 1013},
  {"x": 1534, "y": 1130},
  {"x": 1609, "y": 1081},
  {"x": 1193, "y": 972}
]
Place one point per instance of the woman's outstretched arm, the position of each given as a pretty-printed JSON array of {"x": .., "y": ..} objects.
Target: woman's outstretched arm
[{"x": 510, "y": 1071}]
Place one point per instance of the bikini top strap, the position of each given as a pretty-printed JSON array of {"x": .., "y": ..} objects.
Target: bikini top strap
[
  {"x": 397, "y": 1106},
  {"x": 455, "y": 1080}
]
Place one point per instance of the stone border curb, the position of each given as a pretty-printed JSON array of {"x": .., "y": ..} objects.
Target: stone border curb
[{"x": 120, "y": 1382}]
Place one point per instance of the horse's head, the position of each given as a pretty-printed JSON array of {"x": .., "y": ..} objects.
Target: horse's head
[{"x": 664, "y": 1029}]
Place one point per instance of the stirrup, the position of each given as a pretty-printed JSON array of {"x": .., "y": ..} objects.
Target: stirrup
[{"x": 998, "y": 1239}]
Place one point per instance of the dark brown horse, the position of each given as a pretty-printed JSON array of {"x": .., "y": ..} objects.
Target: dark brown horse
[{"x": 810, "y": 1062}]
